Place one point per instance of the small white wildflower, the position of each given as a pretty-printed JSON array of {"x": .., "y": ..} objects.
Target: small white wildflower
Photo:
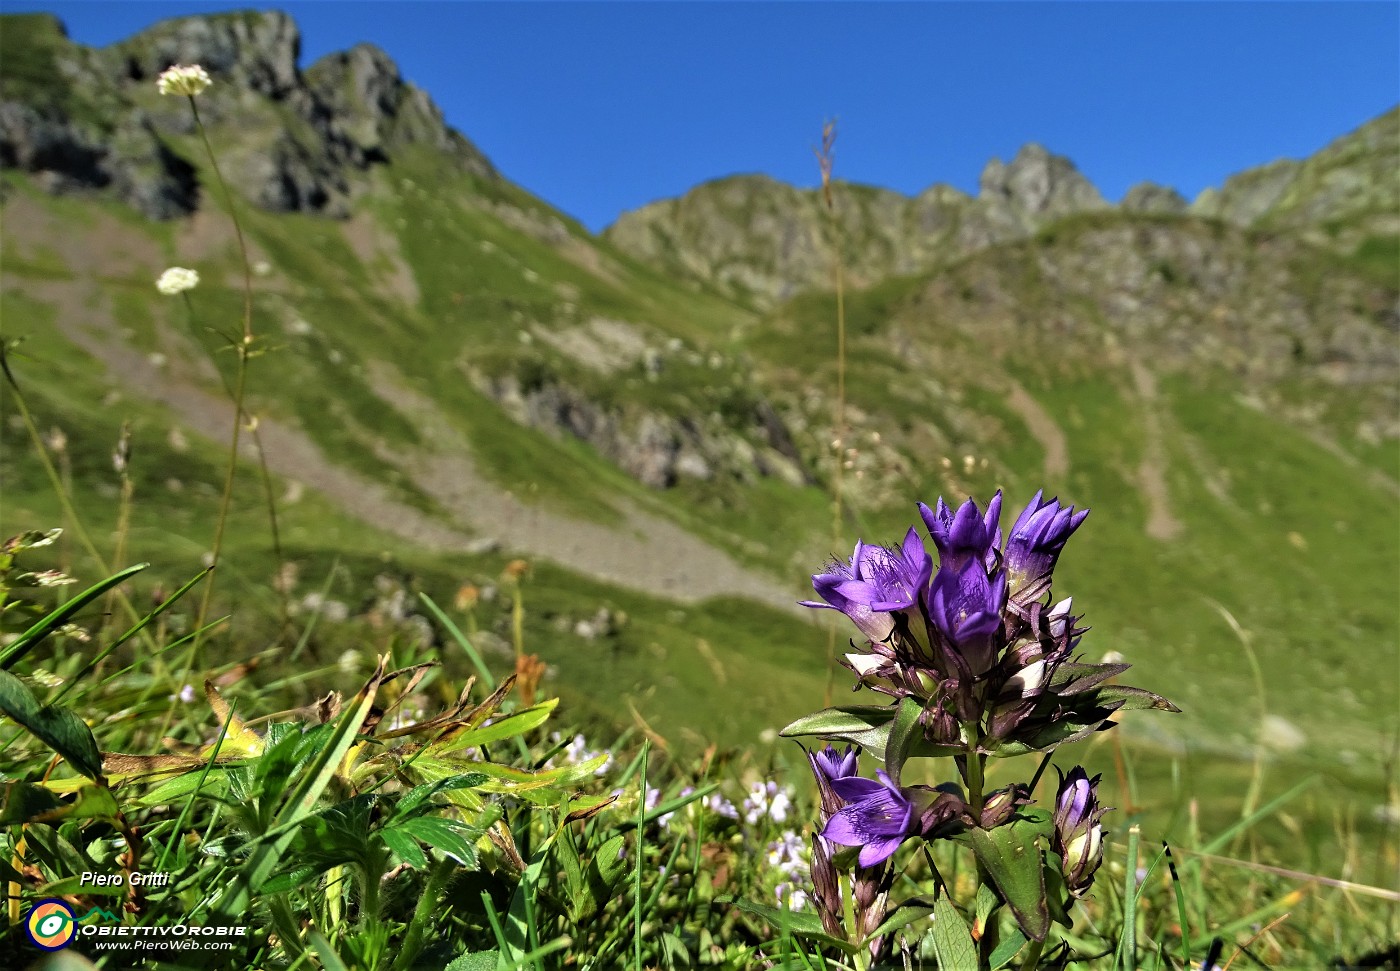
[
  {"x": 186, "y": 694},
  {"x": 766, "y": 799},
  {"x": 177, "y": 279},
  {"x": 795, "y": 897},
  {"x": 788, "y": 854},
  {"x": 187, "y": 79}
]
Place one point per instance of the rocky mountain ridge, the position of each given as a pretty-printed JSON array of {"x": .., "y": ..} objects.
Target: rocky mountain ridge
[
  {"x": 756, "y": 240},
  {"x": 82, "y": 118}
]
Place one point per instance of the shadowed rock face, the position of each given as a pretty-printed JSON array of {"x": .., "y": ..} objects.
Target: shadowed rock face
[
  {"x": 88, "y": 119},
  {"x": 257, "y": 51}
]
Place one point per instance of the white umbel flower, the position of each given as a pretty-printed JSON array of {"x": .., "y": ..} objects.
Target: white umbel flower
[
  {"x": 189, "y": 79},
  {"x": 177, "y": 279}
]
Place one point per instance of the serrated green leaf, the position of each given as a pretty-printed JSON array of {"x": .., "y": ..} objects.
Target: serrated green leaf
[
  {"x": 417, "y": 799},
  {"x": 404, "y": 846},
  {"x": 1011, "y": 856},
  {"x": 444, "y": 835},
  {"x": 57, "y": 727},
  {"x": 952, "y": 941}
]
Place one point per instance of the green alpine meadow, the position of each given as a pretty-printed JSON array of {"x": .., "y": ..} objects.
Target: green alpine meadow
[{"x": 395, "y": 574}]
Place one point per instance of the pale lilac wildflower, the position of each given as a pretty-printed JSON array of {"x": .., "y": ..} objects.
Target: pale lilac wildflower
[{"x": 766, "y": 799}]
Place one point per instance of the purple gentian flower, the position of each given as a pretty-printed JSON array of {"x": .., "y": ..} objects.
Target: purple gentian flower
[
  {"x": 964, "y": 535},
  {"x": 1037, "y": 538},
  {"x": 828, "y": 765},
  {"x": 1078, "y": 837},
  {"x": 877, "y": 817},
  {"x": 836, "y": 765},
  {"x": 966, "y": 607},
  {"x": 876, "y": 582}
]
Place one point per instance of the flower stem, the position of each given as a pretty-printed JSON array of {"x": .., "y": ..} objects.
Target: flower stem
[{"x": 240, "y": 388}]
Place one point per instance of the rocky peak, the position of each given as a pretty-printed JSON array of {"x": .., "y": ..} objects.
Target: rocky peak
[
  {"x": 84, "y": 119},
  {"x": 251, "y": 49},
  {"x": 1036, "y": 187},
  {"x": 1153, "y": 198}
]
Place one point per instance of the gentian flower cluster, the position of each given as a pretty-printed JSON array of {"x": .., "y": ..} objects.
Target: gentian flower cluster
[
  {"x": 977, "y": 660},
  {"x": 973, "y": 637}
]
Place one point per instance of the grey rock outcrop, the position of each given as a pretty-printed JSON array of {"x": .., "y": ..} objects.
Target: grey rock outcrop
[
  {"x": 1153, "y": 198},
  {"x": 656, "y": 449},
  {"x": 762, "y": 241},
  {"x": 1033, "y": 189},
  {"x": 93, "y": 120},
  {"x": 253, "y": 51}
]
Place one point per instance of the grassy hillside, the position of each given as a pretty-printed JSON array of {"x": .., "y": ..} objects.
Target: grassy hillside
[{"x": 459, "y": 363}]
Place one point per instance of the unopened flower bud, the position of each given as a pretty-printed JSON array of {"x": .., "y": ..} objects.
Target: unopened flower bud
[
  {"x": 1001, "y": 805},
  {"x": 1078, "y": 837}
]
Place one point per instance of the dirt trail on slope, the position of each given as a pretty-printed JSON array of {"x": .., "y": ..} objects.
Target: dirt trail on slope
[
  {"x": 1152, "y": 472},
  {"x": 648, "y": 553},
  {"x": 1044, "y": 430}
]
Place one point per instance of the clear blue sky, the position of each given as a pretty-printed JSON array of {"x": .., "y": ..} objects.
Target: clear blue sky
[{"x": 603, "y": 107}]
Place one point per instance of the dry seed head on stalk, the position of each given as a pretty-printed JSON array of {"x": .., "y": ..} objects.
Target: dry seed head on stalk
[
  {"x": 177, "y": 280},
  {"x": 186, "y": 79}
]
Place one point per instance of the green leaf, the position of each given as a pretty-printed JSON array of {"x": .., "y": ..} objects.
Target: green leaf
[
  {"x": 865, "y": 725},
  {"x": 330, "y": 960},
  {"x": 505, "y": 726},
  {"x": 1123, "y": 697},
  {"x": 987, "y": 903},
  {"x": 24, "y": 802},
  {"x": 803, "y": 923},
  {"x": 952, "y": 941},
  {"x": 405, "y": 847},
  {"x": 908, "y": 911},
  {"x": 476, "y": 961},
  {"x": 181, "y": 786},
  {"x": 415, "y": 801},
  {"x": 31, "y": 638},
  {"x": 57, "y": 727},
  {"x": 902, "y": 735},
  {"x": 1007, "y": 949},
  {"x": 606, "y": 870},
  {"x": 267, "y": 850},
  {"x": 1011, "y": 856},
  {"x": 444, "y": 835}
]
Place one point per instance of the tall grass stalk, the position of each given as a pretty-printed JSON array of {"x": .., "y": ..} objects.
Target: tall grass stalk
[
  {"x": 826, "y": 157},
  {"x": 65, "y": 498},
  {"x": 242, "y": 350}
]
